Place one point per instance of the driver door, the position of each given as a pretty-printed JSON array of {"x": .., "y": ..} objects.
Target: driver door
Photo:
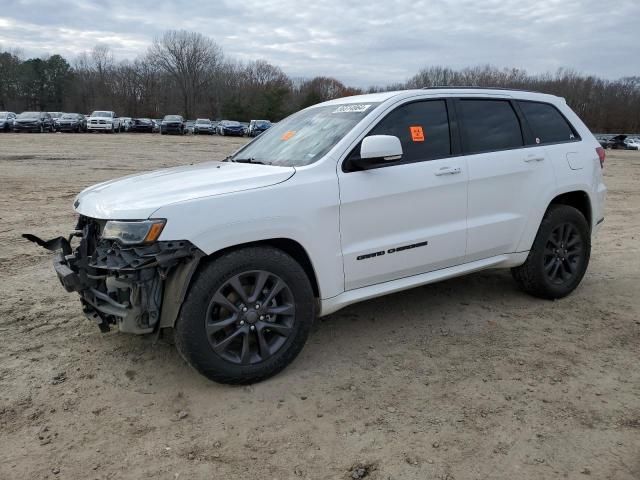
[{"x": 405, "y": 217}]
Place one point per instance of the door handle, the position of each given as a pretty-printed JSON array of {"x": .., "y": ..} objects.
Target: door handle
[
  {"x": 447, "y": 171},
  {"x": 534, "y": 158}
]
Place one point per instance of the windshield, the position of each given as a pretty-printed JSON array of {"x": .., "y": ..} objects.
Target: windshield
[
  {"x": 143, "y": 120},
  {"x": 29, "y": 115},
  {"x": 102, "y": 114},
  {"x": 173, "y": 118},
  {"x": 304, "y": 137},
  {"x": 68, "y": 116},
  {"x": 262, "y": 123},
  {"x": 203, "y": 121},
  {"x": 3, "y": 115}
]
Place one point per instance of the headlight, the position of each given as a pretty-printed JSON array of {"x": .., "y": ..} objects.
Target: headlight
[{"x": 133, "y": 232}]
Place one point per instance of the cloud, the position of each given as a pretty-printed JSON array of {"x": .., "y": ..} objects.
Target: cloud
[{"x": 363, "y": 43}]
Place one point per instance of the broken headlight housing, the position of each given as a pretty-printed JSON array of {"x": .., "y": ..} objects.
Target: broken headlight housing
[{"x": 133, "y": 232}]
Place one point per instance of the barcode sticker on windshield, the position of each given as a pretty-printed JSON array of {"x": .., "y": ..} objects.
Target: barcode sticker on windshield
[{"x": 355, "y": 108}]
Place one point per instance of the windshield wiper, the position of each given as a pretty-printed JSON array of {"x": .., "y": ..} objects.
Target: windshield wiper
[{"x": 249, "y": 160}]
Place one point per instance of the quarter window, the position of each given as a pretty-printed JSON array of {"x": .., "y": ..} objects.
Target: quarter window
[
  {"x": 422, "y": 127},
  {"x": 489, "y": 125},
  {"x": 547, "y": 123}
]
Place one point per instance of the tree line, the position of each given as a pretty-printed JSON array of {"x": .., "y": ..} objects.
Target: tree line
[{"x": 187, "y": 73}]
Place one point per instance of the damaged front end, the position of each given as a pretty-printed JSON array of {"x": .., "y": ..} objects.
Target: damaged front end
[{"x": 139, "y": 288}]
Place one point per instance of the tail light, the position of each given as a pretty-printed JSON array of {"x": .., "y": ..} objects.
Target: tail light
[{"x": 601, "y": 156}]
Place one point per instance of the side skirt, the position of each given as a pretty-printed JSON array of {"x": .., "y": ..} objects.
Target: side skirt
[{"x": 333, "y": 304}]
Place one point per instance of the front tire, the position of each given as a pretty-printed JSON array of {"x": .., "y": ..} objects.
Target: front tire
[
  {"x": 559, "y": 256},
  {"x": 246, "y": 317}
]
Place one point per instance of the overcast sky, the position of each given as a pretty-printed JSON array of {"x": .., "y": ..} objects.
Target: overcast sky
[{"x": 360, "y": 43}]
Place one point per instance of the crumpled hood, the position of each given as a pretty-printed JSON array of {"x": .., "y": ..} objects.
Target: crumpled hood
[{"x": 138, "y": 196}]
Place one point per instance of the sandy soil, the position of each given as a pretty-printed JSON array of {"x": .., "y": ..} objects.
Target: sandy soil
[{"x": 466, "y": 379}]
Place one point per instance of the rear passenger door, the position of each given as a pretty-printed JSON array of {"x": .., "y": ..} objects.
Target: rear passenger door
[{"x": 505, "y": 178}]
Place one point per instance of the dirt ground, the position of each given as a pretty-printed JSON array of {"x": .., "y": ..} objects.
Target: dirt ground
[{"x": 465, "y": 379}]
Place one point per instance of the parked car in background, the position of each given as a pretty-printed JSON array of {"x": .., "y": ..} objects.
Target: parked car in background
[
  {"x": 125, "y": 123},
  {"x": 71, "y": 122},
  {"x": 33, "y": 122},
  {"x": 156, "y": 124},
  {"x": 256, "y": 127},
  {"x": 103, "y": 121},
  {"x": 632, "y": 143},
  {"x": 55, "y": 116},
  {"x": 141, "y": 125},
  {"x": 230, "y": 127},
  {"x": 189, "y": 126},
  {"x": 172, "y": 124},
  {"x": 204, "y": 125},
  {"x": 615, "y": 143},
  {"x": 6, "y": 121}
]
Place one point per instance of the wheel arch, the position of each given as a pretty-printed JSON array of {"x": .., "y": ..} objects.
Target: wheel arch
[
  {"x": 575, "y": 196},
  {"x": 175, "y": 292},
  {"x": 287, "y": 245},
  {"x": 578, "y": 199}
]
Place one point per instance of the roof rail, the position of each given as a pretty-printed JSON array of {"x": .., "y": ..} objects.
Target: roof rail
[{"x": 468, "y": 87}]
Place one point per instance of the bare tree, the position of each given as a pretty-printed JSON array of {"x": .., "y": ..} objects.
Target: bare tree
[{"x": 190, "y": 59}]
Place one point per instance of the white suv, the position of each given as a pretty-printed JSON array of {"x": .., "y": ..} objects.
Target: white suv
[
  {"x": 341, "y": 202},
  {"x": 103, "y": 121}
]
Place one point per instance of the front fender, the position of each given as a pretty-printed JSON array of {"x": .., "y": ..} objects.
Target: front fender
[{"x": 304, "y": 209}]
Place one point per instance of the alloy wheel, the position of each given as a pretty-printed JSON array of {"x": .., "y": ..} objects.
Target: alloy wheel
[
  {"x": 250, "y": 317},
  {"x": 563, "y": 254}
]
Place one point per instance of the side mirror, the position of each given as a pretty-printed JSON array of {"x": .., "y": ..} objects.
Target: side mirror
[{"x": 381, "y": 147}]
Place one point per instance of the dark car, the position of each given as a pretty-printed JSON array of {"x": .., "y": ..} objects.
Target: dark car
[
  {"x": 71, "y": 122},
  {"x": 141, "y": 125},
  {"x": 33, "y": 122},
  {"x": 6, "y": 121},
  {"x": 230, "y": 127},
  {"x": 614, "y": 143},
  {"x": 256, "y": 127},
  {"x": 172, "y": 124}
]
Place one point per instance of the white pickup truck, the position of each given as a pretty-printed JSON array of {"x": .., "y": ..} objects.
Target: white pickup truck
[
  {"x": 341, "y": 202},
  {"x": 103, "y": 121}
]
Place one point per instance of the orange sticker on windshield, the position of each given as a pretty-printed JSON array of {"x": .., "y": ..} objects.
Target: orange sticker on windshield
[
  {"x": 287, "y": 135},
  {"x": 417, "y": 135}
]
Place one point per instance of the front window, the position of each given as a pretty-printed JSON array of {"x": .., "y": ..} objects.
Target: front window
[
  {"x": 102, "y": 114},
  {"x": 306, "y": 136},
  {"x": 68, "y": 116},
  {"x": 3, "y": 115},
  {"x": 172, "y": 118},
  {"x": 203, "y": 122},
  {"x": 230, "y": 123}
]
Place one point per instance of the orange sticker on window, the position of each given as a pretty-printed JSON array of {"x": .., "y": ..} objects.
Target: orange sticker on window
[
  {"x": 417, "y": 135},
  {"x": 287, "y": 135}
]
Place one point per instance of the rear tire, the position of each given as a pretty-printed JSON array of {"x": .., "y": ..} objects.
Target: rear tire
[
  {"x": 559, "y": 256},
  {"x": 233, "y": 328}
]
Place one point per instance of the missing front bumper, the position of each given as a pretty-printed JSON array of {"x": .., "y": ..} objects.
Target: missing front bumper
[{"x": 121, "y": 285}]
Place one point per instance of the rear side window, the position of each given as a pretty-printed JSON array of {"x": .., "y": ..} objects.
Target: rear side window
[
  {"x": 547, "y": 123},
  {"x": 489, "y": 125},
  {"x": 422, "y": 127}
]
